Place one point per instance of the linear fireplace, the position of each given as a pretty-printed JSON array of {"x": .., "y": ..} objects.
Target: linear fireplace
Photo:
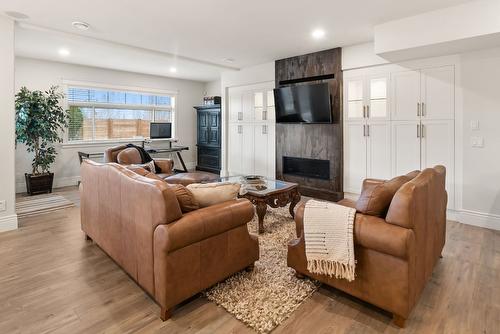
[{"x": 311, "y": 168}]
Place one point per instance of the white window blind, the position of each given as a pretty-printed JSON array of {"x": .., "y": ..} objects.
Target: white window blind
[{"x": 102, "y": 114}]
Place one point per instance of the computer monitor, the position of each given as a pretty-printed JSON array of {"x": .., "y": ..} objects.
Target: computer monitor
[{"x": 160, "y": 130}]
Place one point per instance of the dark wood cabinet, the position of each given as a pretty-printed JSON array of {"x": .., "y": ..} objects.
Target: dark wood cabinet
[{"x": 209, "y": 138}]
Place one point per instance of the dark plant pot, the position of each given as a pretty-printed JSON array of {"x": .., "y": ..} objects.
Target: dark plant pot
[{"x": 39, "y": 184}]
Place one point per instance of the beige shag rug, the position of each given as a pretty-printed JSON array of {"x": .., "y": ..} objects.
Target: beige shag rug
[{"x": 265, "y": 297}]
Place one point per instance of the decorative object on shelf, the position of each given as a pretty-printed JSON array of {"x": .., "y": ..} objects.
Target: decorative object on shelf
[
  {"x": 40, "y": 120},
  {"x": 209, "y": 138},
  {"x": 211, "y": 100}
]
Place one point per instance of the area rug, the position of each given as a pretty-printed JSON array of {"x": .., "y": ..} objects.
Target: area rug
[
  {"x": 266, "y": 297},
  {"x": 40, "y": 204}
]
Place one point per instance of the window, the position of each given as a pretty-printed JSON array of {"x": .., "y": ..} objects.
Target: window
[{"x": 104, "y": 114}]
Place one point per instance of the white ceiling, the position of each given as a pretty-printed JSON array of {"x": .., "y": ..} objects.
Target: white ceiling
[{"x": 251, "y": 32}]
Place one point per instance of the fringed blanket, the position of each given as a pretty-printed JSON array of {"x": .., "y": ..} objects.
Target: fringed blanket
[{"x": 328, "y": 232}]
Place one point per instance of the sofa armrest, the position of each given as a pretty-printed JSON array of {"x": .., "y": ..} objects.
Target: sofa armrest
[
  {"x": 204, "y": 223},
  {"x": 166, "y": 165},
  {"x": 373, "y": 233}
]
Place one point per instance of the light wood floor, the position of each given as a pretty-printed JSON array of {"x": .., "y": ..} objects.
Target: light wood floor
[{"x": 52, "y": 280}]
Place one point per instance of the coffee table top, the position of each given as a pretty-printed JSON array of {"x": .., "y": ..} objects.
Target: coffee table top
[{"x": 271, "y": 186}]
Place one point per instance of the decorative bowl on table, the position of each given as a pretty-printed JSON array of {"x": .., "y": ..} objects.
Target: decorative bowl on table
[{"x": 253, "y": 179}]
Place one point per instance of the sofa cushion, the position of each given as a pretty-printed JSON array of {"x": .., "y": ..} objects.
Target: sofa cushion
[
  {"x": 376, "y": 195},
  {"x": 138, "y": 169},
  {"x": 208, "y": 194},
  {"x": 185, "y": 197},
  {"x": 192, "y": 177}
]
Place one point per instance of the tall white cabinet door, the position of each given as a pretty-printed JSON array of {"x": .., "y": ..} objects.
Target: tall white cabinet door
[
  {"x": 354, "y": 98},
  {"x": 247, "y": 106},
  {"x": 354, "y": 156},
  {"x": 405, "y": 147},
  {"x": 438, "y": 138},
  {"x": 247, "y": 149},
  {"x": 405, "y": 95},
  {"x": 234, "y": 149},
  {"x": 378, "y": 150},
  {"x": 438, "y": 92},
  {"x": 261, "y": 133},
  {"x": 377, "y": 104},
  {"x": 235, "y": 106}
]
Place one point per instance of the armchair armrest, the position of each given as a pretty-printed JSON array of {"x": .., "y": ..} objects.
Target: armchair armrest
[
  {"x": 166, "y": 165},
  {"x": 373, "y": 233},
  {"x": 204, "y": 223}
]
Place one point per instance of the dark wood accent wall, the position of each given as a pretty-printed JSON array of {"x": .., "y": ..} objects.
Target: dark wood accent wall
[{"x": 313, "y": 141}]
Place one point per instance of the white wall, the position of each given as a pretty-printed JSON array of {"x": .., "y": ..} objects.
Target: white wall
[
  {"x": 360, "y": 55},
  {"x": 462, "y": 28},
  {"x": 477, "y": 99},
  {"x": 8, "y": 218},
  {"x": 40, "y": 74},
  {"x": 481, "y": 102},
  {"x": 246, "y": 76},
  {"x": 213, "y": 88}
]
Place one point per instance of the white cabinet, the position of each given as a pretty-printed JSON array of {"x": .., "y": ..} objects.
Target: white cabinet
[
  {"x": 366, "y": 130},
  {"x": 438, "y": 142},
  {"x": 423, "y": 94},
  {"x": 264, "y": 163},
  {"x": 378, "y": 150},
  {"x": 405, "y": 147},
  {"x": 438, "y": 93},
  {"x": 405, "y": 95},
  {"x": 411, "y": 128},
  {"x": 354, "y": 156},
  {"x": 251, "y": 139}
]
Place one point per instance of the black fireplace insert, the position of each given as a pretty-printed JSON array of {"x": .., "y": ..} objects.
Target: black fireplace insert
[{"x": 305, "y": 167}]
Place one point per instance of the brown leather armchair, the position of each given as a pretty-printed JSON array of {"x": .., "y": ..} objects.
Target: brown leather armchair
[
  {"x": 395, "y": 254},
  {"x": 128, "y": 155},
  {"x": 124, "y": 155},
  {"x": 138, "y": 222}
]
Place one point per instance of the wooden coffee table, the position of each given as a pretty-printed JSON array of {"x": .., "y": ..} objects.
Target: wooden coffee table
[{"x": 276, "y": 194}]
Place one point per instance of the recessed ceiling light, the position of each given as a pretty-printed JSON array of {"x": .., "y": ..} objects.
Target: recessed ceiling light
[
  {"x": 80, "y": 25},
  {"x": 17, "y": 15},
  {"x": 318, "y": 33},
  {"x": 64, "y": 52},
  {"x": 228, "y": 60},
  {"x": 173, "y": 70}
]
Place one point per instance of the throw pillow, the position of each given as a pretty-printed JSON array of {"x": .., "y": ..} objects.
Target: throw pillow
[
  {"x": 185, "y": 197},
  {"x": 208, "y": 194},
  {"x": 149, "y": 166},
  {"x": 376, "y": 196}
]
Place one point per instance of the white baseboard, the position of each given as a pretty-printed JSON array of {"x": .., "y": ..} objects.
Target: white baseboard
[
  {"x": 480, "y": 219},
  {"x": 8, "y": 223}
]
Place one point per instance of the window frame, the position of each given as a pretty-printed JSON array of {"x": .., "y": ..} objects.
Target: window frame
[{"x": 96, "y": 105}]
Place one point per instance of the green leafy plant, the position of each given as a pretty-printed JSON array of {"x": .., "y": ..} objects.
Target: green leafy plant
[
  {"x": 40, "y": 122},
  {"x": 75, "y": 131}
]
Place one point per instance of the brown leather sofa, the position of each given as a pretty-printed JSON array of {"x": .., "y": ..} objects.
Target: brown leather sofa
[
  {"x": 138, "y": 222},
  {"x": 126, "y": 156},
  {"x": 395, "y": 252}
]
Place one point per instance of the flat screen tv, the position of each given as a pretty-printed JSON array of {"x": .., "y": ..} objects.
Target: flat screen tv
[
  {"x": 160, "y": 130},
  {"x": 303, "y": 104}
]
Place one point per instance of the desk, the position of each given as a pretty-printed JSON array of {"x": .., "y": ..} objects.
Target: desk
[{"x": 174, "y": 149}]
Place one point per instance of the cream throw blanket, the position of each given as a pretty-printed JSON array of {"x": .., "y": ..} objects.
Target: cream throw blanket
[{"x": 328, "y": 232}]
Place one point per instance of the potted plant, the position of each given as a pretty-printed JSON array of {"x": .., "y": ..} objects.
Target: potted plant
[{"x": 40, "y": 121}]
